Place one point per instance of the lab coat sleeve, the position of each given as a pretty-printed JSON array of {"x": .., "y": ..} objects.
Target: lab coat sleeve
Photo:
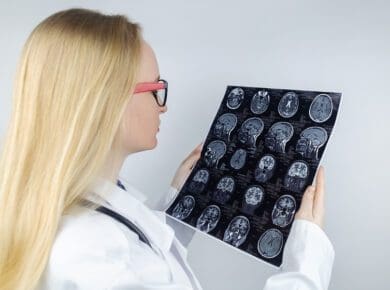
[
  {"x": 184, "y": 233},
  {"x": 307, "y": 259}
]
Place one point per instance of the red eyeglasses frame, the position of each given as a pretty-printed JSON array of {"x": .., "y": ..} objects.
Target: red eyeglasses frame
[{"x": 153, "y": 87}]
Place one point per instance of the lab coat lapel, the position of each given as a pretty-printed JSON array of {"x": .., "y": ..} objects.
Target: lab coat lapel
[{"x": 130, "y": 204}]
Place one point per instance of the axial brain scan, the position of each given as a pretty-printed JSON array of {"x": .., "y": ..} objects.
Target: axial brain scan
[
  {"x": 235, "y": 98},
  {"x": 270, "y": 243},
  {"x": 260, "y": 102},
  {"x": 288, "y": 105},
  {"x": 238, "y": 159},
  {"x": 321, "y": 108}
]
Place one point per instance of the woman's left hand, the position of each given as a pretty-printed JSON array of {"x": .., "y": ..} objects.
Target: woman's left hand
[{"x": 186, "y": 167}]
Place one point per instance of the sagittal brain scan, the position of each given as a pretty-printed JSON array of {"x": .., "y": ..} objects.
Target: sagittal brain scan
[
  {"x": 237, "y": 231},
  {"x": 310, "y": 141},
  {"x": 288, "y": 105},
  {"x": 214, "y": 151},
  {"x": 209, "y": 218},
  {"x": 278, "y": 136},
  {"x": 250, "y": 130},
  {"x": 262, "y": 150},
  {"x": 260, "y": 102},
  {"x": 225, "y": 125},
  {"x": 283, "y": 211}
]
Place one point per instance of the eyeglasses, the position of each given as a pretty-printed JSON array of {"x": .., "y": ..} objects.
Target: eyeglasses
[{"x": 159, "y": 90}]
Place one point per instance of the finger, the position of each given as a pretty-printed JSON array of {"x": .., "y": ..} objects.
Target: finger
[
  {"x": 306, "y": 208},
  {"x": 197, "y": 149},
  {"x": 319, "y": 197},
  {"x": 196, "y": 152},
  {"x": 191, "y": 160}
]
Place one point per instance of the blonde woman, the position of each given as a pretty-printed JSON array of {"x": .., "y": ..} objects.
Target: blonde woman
[{"x": 87, "y": 94}]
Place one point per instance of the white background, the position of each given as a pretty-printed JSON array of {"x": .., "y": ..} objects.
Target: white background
[{"x": 203, "y": 46}]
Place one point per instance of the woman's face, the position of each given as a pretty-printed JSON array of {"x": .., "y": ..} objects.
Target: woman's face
[{"x": 141, "y": 120}]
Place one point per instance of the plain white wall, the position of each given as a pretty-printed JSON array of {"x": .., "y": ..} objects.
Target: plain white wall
[{"x": 203, "y": 46}]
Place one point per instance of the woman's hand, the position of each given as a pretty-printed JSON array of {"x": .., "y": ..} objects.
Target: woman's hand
[
  {"x": 186, "y": 167},
  {"x": 312, "y": 205}
]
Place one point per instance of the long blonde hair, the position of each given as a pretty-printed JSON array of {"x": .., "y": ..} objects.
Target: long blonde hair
[{"x": 74, "y": 77}]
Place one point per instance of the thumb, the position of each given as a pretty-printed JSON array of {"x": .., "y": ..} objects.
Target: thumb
[{"x": 306, "y": 208}]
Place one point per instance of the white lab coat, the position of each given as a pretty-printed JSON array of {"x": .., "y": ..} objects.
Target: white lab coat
[{"x": 92, "y": 251}]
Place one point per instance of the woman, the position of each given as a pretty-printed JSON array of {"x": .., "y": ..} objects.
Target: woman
[{"x": 87, "y": 94}]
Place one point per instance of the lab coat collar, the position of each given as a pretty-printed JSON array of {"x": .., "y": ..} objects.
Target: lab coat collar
[{"x": 129, "y": 203}]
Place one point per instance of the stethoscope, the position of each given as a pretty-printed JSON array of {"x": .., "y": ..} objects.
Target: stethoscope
[
  {"x": 120, "y": 218},
  {"x": 130, "y": 225}
]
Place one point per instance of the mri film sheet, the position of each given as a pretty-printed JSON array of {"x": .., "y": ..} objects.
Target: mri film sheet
[{"x": 262, "y": 150}]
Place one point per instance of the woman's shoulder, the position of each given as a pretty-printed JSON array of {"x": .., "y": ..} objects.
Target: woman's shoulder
[
  {"x": 85, "y": 232},
  {"x": 89, "y": 251}
]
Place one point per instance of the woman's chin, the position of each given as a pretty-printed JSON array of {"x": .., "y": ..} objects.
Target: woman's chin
[{"x": 153, "y": 143}]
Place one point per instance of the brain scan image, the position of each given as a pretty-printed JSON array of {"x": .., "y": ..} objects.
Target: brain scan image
[
  {"x": 278, "y": 136},
  {"x": 209, "y": 218},
  {"x": 270, "y": 243},
  {"x": 225, "y": 125},
  {"x": 237, "y": 231},
  {"x": 238, "y": 159},
  {"x": 265, "y": 168},
  {"x": 321, "y": 108},
  {"x": 214, "y": 152},
  {"x": 184, "y": 207},
  {"x": 253, "y": 198},
  {"x": 288, "y": 105},
  {"x": 310, "y": 141},
  {"x": 296, "y": 177},
  {"x": 199, "y": 181},
  {"x": 235, "y": 98},
  {"x": 261, "y": 151},
  {"x": 260, "y": 102},
  {"x": 224, "y": 190},
  {"x": 250, "y": 130},
  {"x": 283, "y": 211}
]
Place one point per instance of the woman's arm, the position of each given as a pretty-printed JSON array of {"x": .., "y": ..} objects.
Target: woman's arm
[
  {"x": 182, "y": 232},
  {"x": 308, "y": 254},
  {"x": 307, "y": 259}
]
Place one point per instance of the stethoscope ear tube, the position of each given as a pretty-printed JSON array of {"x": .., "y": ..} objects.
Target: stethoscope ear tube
[{"x": 126, "y": 222}]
